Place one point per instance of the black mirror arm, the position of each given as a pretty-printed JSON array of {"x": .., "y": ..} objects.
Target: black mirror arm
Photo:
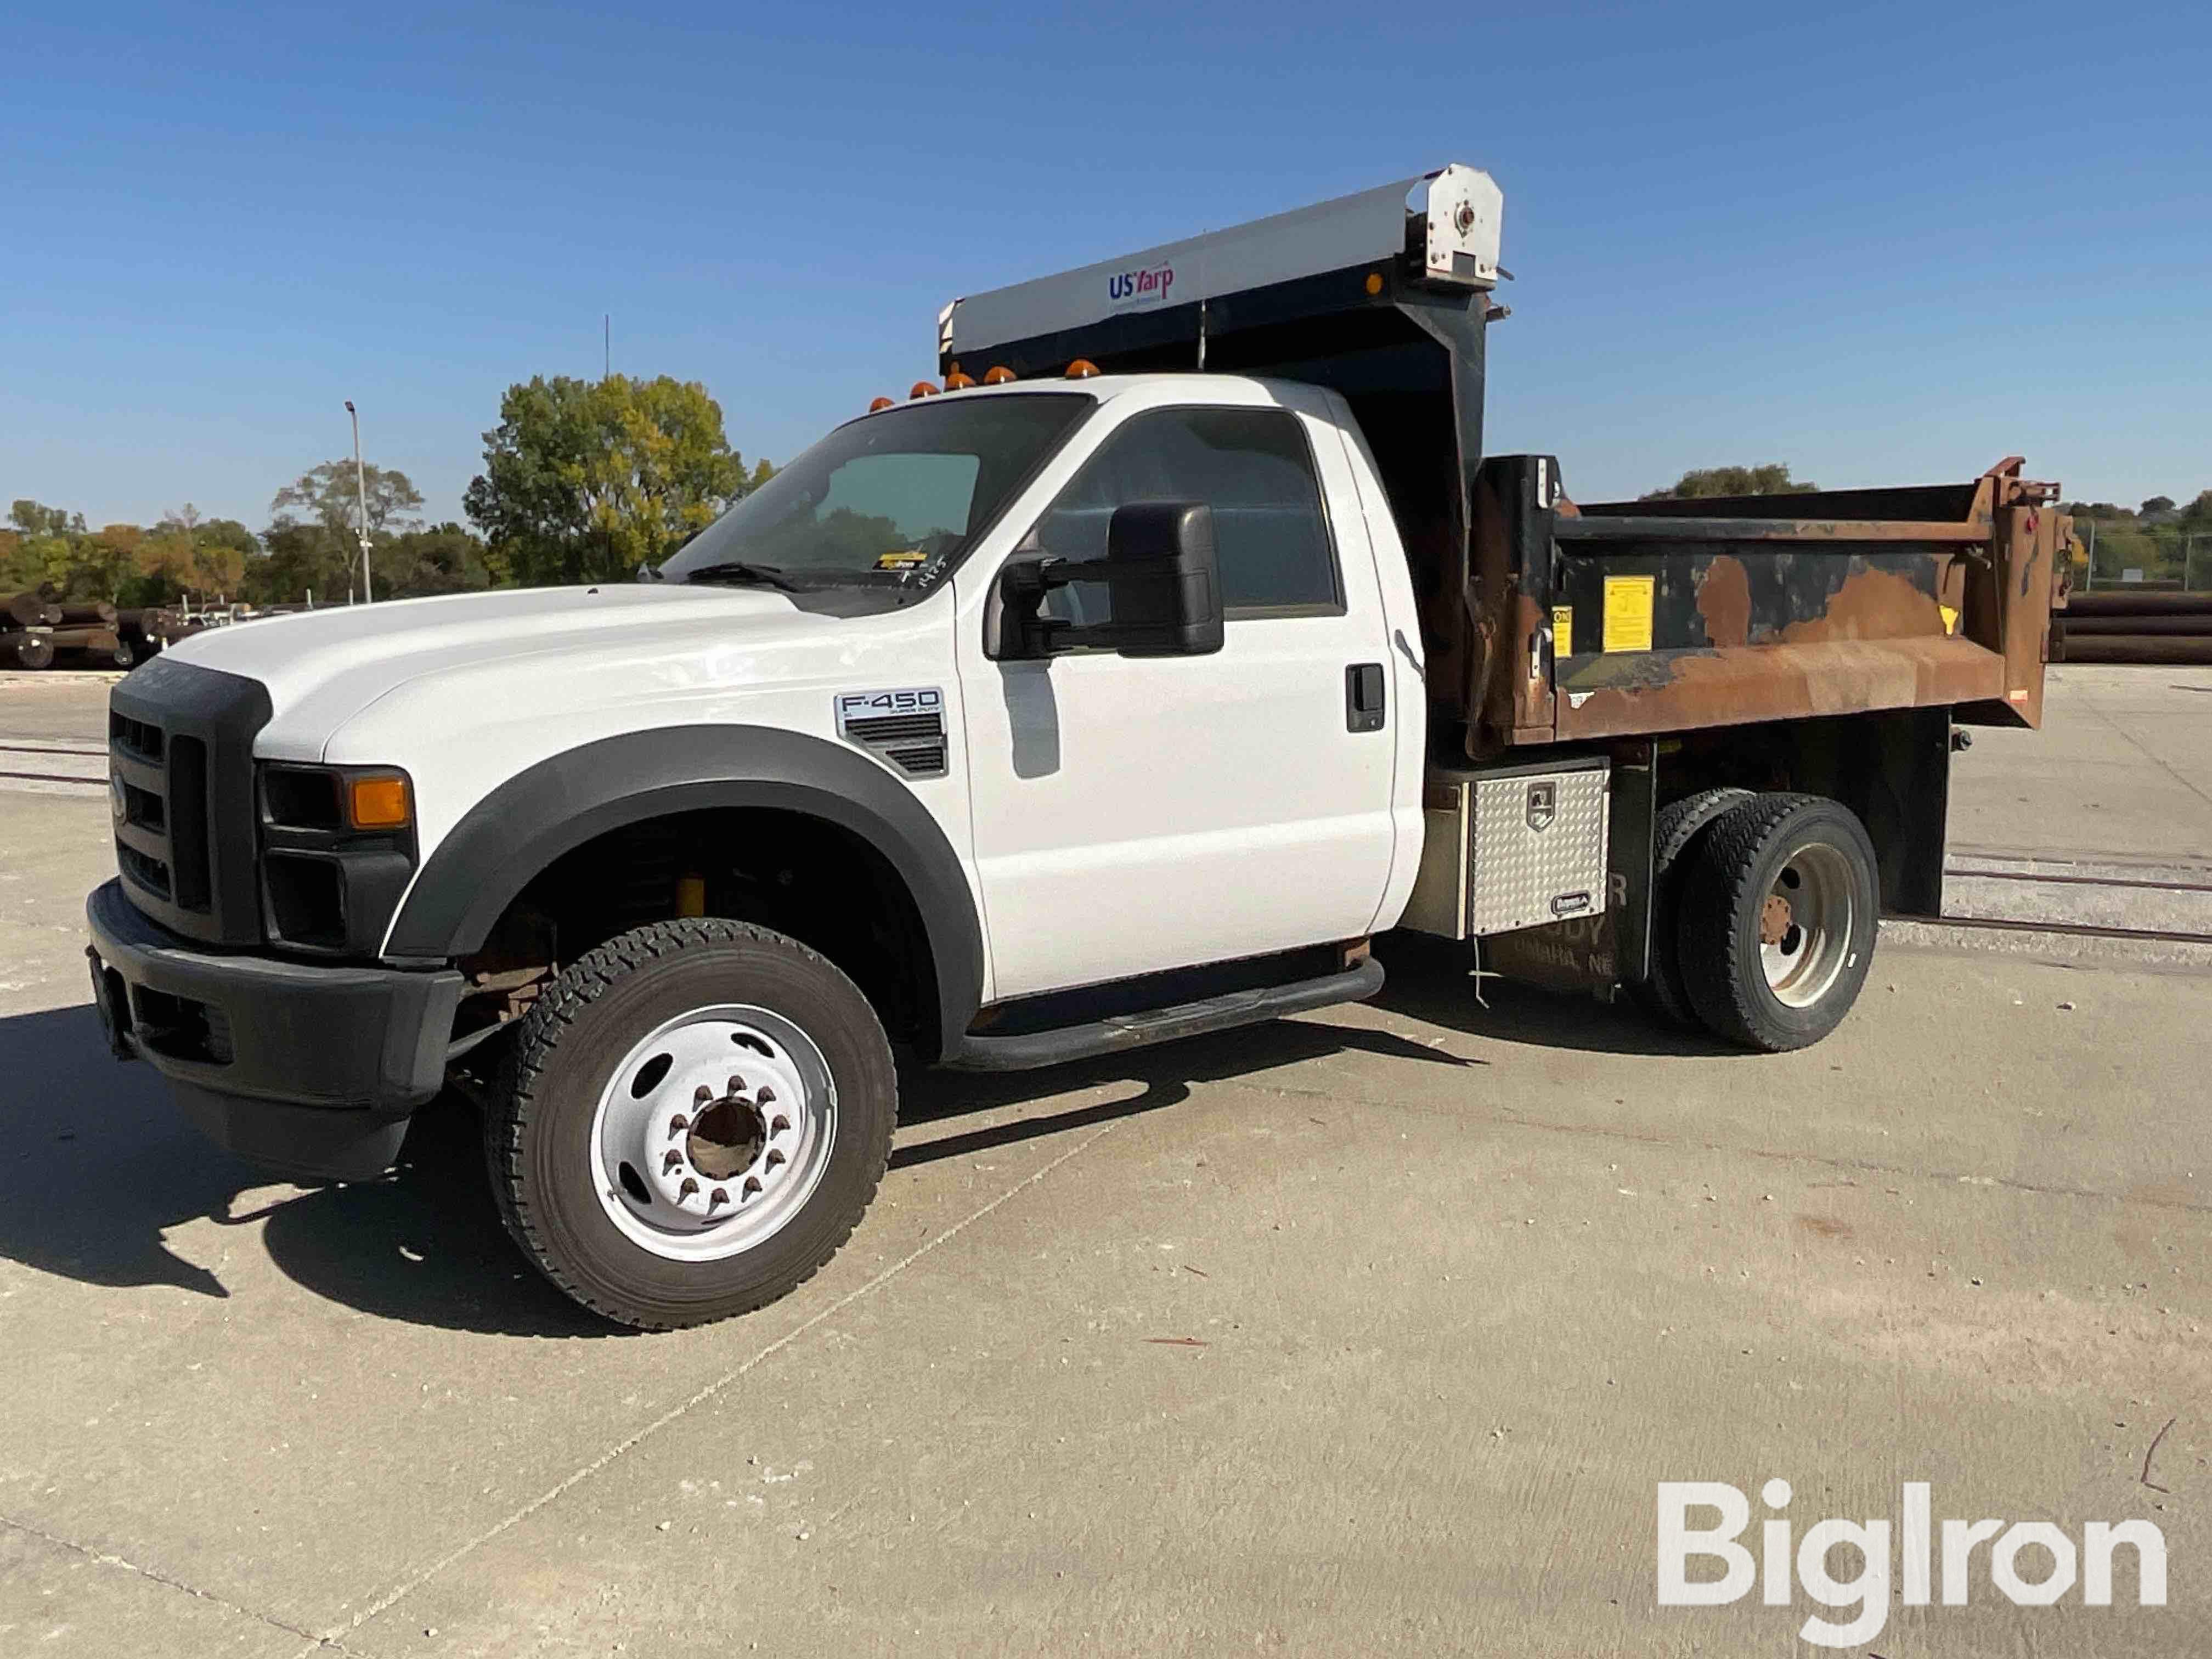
[{"x": 1022, "y": 587}]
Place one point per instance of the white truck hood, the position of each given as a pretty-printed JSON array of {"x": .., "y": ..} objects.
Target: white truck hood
[
  {"x": 467, "y": 691},
  {"x": 324, "y": 668}
]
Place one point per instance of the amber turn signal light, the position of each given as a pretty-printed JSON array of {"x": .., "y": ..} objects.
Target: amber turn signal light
[{"x": 380, "y": 800}]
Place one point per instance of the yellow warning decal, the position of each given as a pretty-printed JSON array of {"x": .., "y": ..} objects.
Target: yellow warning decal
[
  {"x": 1562, "y": 631},
  {"x": 1950, "y": 618},
  {"x": 1628, "y": 601}
]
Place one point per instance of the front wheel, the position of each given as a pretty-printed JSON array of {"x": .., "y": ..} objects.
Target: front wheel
[
  {"x": 693, "y": 1118},
  {"x": 1776, "y": 931}
]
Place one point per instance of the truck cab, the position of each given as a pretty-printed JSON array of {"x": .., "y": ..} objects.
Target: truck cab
[{"x": 1121, "y": 687}]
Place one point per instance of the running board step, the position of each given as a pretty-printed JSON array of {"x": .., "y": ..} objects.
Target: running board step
[{"x": 1220, "y": 1013}]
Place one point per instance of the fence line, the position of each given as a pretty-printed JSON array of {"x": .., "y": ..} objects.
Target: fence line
[{"x": 2161, "y": 555}]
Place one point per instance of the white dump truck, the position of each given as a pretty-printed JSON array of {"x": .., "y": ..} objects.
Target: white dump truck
[{"x": 1119, "y": 688}]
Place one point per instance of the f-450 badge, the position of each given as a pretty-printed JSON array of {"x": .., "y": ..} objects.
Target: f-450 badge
[{"x": 904, "y": 728}]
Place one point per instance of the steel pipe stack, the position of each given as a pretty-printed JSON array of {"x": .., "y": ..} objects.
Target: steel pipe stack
[
  {"x": 25, "y": 619},
  {"x": 2117, "y": 625},
  {"x": 27, "y": 610},
  {"x": 22, "y": 650}
]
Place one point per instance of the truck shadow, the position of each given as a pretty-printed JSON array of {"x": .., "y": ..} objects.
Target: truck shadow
[
  {"x": 102, "y": 1167},
  {"x": 1429, "y": 981},
  {"x": 1167, "y": 1073}
]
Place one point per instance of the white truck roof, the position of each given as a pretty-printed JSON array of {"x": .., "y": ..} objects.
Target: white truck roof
[{"x": 1445, "y": 224}]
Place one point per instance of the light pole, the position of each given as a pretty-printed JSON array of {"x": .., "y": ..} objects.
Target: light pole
[{"x": 360, "y": 496}]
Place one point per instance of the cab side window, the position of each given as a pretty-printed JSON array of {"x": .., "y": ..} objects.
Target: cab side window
[{"x": 1252, "y": 466}]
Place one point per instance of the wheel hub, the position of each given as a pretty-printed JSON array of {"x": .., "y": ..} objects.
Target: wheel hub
[
  {"x": 1805, "y": 925},
  {"x": 726, "y": 1136},
  {"x": 713, "y": 1131}
]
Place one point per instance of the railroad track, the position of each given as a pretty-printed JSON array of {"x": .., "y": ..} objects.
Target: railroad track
[{"x": 24, "y": 761}]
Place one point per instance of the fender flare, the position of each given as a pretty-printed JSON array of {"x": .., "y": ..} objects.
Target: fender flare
[{"x": 514, "y": 834}]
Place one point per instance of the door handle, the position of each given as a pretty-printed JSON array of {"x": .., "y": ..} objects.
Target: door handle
[{"x": 1362, "y": 697}]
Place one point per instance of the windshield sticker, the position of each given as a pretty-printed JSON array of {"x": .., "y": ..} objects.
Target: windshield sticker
[{"x": 904, "y": 558}]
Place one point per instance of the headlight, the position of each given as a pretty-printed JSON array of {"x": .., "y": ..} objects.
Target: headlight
[{"x": 337, "y": 849}]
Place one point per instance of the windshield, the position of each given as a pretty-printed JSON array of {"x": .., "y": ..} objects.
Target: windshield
[{"x": 894, "y": 498}]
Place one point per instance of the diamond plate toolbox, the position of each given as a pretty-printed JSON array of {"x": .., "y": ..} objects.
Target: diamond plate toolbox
[{"x": 1536, "y": 842}]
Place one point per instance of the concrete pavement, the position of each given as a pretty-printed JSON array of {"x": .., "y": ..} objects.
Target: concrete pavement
[{"x": 1371, "y": 1331}]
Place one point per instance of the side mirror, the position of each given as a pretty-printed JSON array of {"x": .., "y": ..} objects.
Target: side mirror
[{"x": 1163, "y": 583}]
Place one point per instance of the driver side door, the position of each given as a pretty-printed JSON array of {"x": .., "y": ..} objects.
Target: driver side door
[{"x": 1132, "y": 814}]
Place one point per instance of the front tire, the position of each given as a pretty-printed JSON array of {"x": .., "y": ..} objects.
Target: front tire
[
  {"x": 1777, "y": 928},
  {"x": 692, "y": 1120}
]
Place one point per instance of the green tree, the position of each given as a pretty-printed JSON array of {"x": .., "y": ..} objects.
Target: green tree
[
  {"x": 1772, "y": 479},
  {"x": 35, "y": 519},
  {"x": 46, "y": 551},
  {"x": 302, "y": 559},
  {"x": 2156, "y": 504},
  {"x": 330, "y": 496},
  {"x": 444, "y": 560},
  {"x": 588, "y": 480}
]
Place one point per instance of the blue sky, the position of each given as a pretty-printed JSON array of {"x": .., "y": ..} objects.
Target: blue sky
[{"x": 1885, "y": 244}]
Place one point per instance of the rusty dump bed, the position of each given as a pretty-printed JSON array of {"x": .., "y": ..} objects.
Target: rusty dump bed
[{"x": 1624, "y": 618}]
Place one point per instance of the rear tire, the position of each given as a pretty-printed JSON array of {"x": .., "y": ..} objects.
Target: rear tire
[
  {"x": 1680, "y": 825},
  {"x": 1775, "y": 933},
  {"x": 691, "y": 1122}
]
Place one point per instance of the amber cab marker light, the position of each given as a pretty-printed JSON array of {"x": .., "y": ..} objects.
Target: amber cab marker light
[
  {"x": 1081, "y": 369},
  {"x": 998, "y": 376},
  {"x": 1374, "y": 281},
  {"x": 378, "y": 802},
  {"x": 955, "y": 381},
  {"x": 922, "y": 389},
  {"x": 882, "y": 403}
]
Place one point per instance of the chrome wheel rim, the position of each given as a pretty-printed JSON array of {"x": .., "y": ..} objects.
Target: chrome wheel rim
[
  {"x": 1805, "y": 925},
  {"x": 712, "y": 1133}
]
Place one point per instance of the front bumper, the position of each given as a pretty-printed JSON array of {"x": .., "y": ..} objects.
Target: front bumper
[{"x": 311, "y": 1070}]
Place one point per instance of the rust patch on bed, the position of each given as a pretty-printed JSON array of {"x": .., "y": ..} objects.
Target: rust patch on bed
[
  {"x": 1724, "y": 601},
  {"x": 1732, "y": 686},
  {"x": 1871, "y": 604}
]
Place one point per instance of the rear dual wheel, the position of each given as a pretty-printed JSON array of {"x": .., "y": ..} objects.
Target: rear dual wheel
[
  {"x": 1764, "y": 912},
  {"x": 1776, "y": 929},
  {"x": 1681, "y": 824}
]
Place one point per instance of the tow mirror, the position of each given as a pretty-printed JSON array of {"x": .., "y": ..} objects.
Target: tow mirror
[{"x": 1163, "y": 583}]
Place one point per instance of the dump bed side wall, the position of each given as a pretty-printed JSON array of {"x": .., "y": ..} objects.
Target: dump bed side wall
[{"x": 1636, "y": 618}]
